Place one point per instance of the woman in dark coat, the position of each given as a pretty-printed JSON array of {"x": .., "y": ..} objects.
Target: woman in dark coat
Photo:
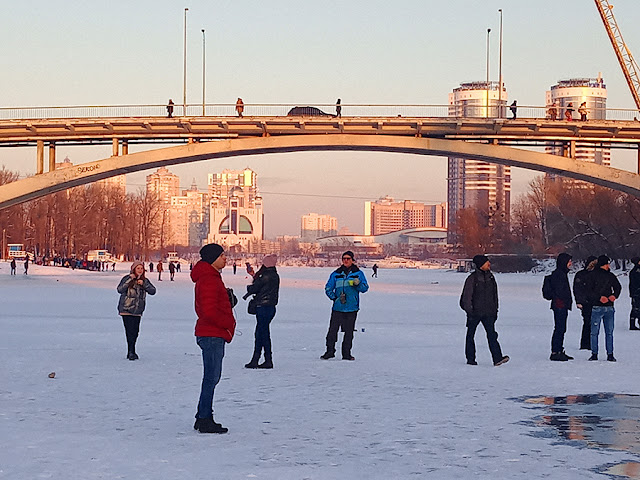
[
  {"x": 133, "y": 289},
  {"x": 265, "y": 287},
  {"x": 561, "y": 303}
]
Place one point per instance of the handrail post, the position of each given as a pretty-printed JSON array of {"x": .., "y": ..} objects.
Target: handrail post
[
  {"x": 114, "y": 144},
  {"x": 39, "y": 157},
  {"x": 52, "y": 156}
]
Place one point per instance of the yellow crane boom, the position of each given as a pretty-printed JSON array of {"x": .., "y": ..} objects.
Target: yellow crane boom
[{"x": 625, "y": 59}]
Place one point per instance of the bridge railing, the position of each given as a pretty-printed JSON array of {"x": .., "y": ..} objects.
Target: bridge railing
[{"x": 277, "y": 110}]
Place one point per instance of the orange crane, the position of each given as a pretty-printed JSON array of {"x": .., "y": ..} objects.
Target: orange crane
[{"x": 627, "y": 63}]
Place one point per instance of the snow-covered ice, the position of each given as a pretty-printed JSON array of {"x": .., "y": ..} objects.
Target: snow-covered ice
[{"x": 408, "y": 407}]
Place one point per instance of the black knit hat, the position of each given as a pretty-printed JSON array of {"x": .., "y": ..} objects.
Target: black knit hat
[
  {"x": 349, "y": 253},
  {"x": 211, "y": 252},
  {"x": 480, "y": 260},
  {"x": 603, "y": 260}
]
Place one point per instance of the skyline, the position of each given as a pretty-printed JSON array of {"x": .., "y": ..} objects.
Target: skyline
[{"x": 362, "y": 52}]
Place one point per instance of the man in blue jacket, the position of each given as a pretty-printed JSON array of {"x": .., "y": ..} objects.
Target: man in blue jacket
[{"x": 344, "y": 287}]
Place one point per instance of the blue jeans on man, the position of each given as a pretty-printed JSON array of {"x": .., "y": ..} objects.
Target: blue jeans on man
[
  {"x": 606, "y": 315},
  {"x": 212, "y": 355}
]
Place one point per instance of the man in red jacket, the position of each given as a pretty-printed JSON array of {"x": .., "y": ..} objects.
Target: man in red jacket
[{"x": 214, "y": 328}]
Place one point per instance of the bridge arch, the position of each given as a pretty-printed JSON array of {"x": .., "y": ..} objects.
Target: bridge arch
[{"x": 58, "y": 180}]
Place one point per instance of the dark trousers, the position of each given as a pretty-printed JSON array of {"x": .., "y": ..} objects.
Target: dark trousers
[
  {"x": 131, "y": 330},
  {"x": 488, "y": 322},
  {"x": 585, "y": 339},
  {"x": 560, "y": 327},
  {"x": 346, "y": 321},
  {"x": 264, "y": 315}
]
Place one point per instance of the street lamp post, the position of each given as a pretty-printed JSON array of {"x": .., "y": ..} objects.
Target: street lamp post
[
  {"x": 184, "y": 66},
  {"x": 203, "y": 73},
  {"x": 500, "y": 68},
  {"x": 488, "y": 32}
]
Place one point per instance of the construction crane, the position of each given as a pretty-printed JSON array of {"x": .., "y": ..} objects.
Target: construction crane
[{"x": 627, "y": 63}]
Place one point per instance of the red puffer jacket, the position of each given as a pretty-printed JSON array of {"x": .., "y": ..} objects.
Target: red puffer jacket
[{"x": 215, "y": 317}]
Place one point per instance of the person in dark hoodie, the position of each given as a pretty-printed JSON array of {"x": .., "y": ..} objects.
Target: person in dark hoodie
[
  {"x": 479, "y": 300},
  {"x": 561, "y": 302},
  {"x": 265, "y": 287},
  {"x": 344, "y": 288},
  {"x": 634, "y": 293},
  {"x": 604, "y": 288},
  {"x": 215, "y": 327},
  {"x": 580, "y": 292}
]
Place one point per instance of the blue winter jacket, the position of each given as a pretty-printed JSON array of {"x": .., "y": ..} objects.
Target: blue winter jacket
[{"x": 342, "y": 281}]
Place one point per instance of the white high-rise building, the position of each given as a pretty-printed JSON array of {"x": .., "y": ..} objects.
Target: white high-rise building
[
  {"x": 576, "y": 91},
  {"x": 386, "y": 215},
  {"x": 314, "y": 226},
  {"x": 472, "y": 183},
  {"x": 187, "y": 217}
]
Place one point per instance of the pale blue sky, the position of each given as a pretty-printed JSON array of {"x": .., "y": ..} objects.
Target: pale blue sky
[{"x": 311, "y": 52}]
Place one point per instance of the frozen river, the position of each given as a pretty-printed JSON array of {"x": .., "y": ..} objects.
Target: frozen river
[{"x": 408, "y": 407}]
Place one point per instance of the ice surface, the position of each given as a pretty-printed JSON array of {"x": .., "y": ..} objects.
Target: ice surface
[{"x": 408, "y": 407}]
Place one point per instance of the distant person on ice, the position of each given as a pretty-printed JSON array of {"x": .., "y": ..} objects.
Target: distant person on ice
[
  {"x": 26, "y": 265},
  {"x": 375, "y": 270},
  {"x": 13, "y": 266},
  {"x": 172, "y": 270},
  {"x": 160, "y": 269},
  {"x": 265, "y": 288},
  {"x": 634, "y": 293},
  {"x": 479, "y": 300},
  {"x": 133, "y": 289},
  {"x": 604, "y": 289},
  {"x": 215, "y": 327},
  {"x": 561, "y": 302},
  {"x": 344, "y": 288}
]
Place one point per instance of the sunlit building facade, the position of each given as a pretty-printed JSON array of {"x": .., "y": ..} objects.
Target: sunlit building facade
[
  {"x": 188, "y": 217},
  {"x": 575, "y": 91},
  {"x": 472, "y": 183},
  {"x": 314, "y": 226},
  {"x": 235, "y": 214},
  {"x": 386, "y": 215}
]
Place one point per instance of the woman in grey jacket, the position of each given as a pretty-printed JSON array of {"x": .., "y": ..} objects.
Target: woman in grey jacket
[{"x": 133, "y": 289}]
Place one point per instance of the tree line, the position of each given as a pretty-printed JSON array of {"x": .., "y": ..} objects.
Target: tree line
[
  {"x": 556, "y": 215},
  {"x": 79, "y": 219}
]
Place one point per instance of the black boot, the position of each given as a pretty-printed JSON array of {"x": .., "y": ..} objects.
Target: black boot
[
  {"x": 207, "y": 425},
  {"x": 254, "y": 360},
  {"x": 268, "y": 362},
  {"x": 327, "y": 355},
  {"x": 632, "y": 324}
]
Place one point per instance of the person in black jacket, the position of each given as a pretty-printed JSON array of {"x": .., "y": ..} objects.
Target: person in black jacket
[
  {"x": 604, "y": 288},
  {"x": 479, "y": 300},
  {"x": 265, "y": 287},
  {"x": 561, "y": 302},
  {"x": 634, "y": 293},
  {"x": 580, "y": 282}
]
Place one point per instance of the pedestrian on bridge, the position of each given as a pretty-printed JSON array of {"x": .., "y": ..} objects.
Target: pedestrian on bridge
[
  {"x": 553, "y": 111},
  {"x": 239, "y": 107},
  {"x": 514, "y": 109},
  {"x": 582, "y": 110},
  {"x": 338, "y": 108},
  {"x": 170, "y": 109},
  {"x": 568, "y": 113}
]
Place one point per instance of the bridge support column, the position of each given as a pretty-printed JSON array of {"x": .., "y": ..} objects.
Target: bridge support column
[
  {"x": 638, "y": 171},
  {"x": 52, "y": 156},
  {"x": 115, "y": 145},
  {"x": 125, "y": 147},
  {"x": 40, "y": 157}
]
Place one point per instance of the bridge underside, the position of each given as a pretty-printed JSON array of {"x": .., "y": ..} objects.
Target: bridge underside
[{"x": 58, "y": 180}]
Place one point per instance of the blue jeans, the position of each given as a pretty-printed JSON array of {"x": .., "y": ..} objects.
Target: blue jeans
[
  {"x": 605, "y": 314},
  {"x": 212, "y": 355}
]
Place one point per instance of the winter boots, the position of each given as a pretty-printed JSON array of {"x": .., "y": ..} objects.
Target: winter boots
[
  {"x": 208, "y": 425},
  {"x": 559, "y": 356},
  {"x": 632, "y": 324},
  {"x": 327, "y": 355},
  {"x": 502, "y": 361},
  {"x": 132, "y": 356},
  {"x": 593, "y": 357}
]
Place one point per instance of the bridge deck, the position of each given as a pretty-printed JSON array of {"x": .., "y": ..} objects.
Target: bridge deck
[{"x": 183, "y": 129}]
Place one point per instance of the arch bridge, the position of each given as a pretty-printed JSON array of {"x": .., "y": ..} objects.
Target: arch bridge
[{"x": 494, "y": 140}]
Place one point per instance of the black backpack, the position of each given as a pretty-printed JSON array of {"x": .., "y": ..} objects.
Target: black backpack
[{"x": 547, "y": 288}]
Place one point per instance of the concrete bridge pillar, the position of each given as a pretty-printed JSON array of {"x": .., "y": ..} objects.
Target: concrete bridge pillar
[
  {"x": 125, "y": 147},
  {"x": 115, "y": 145},
  {"x": 39, "y": 157},
  {"x": 52, "y": 156}
]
